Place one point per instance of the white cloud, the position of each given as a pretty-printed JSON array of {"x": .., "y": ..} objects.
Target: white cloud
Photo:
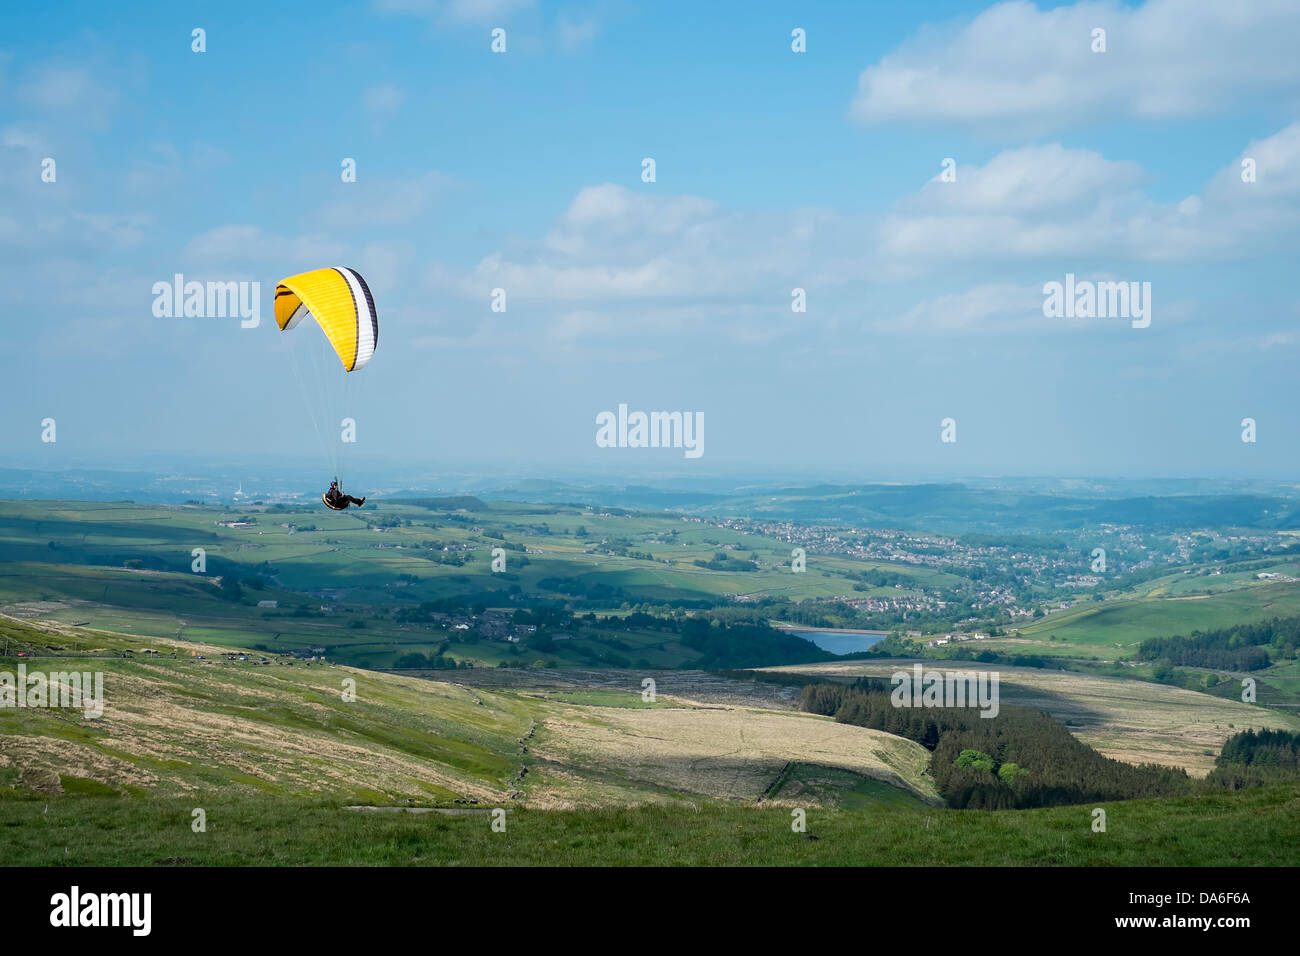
[
  {"x": 1276, "y": 339},
  {"x": 482, "y": 335},
  {"x": 1030, "y": 204},
  {"x": 1016, "y": 67},
  {"x": 39, "y": 220},
  {"x": 383, "y": 101},
  {"x": 582, "y": 324},
  {"x": 172, "y": 168},
  {"x": 1052, "y": 201},
  {"x": 385, "y": 264},
  {"x": 623, "y": 264},
  {"x": 1003, "y": 308},
  {"x": 15, "y": 137},
  {"x": 614, "y": 244},
  {"x": 464, "y": 11},
  {"x": 255, "y": 249},
  {"x": 65, "y": 88},
  {"x": 1044, "y": 179},
  {"x": 985, "y": 308},
  {"x": 110, "y": 231},
  {"x": 477, "y": 11},
  {"x": 371, "y": 202},
  {"x": 573, "y": 36}
]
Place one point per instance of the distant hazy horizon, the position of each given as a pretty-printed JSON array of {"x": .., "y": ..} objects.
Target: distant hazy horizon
[{"x": 149, "y": 477}]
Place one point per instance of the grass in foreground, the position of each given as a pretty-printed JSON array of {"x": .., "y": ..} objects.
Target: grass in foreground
[{"x": 1248, "y": 828}]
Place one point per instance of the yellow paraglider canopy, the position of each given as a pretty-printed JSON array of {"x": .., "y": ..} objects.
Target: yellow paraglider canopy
[{"x": 340, "y": 302}]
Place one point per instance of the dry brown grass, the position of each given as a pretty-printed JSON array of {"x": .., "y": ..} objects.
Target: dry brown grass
[{"x": 732, "y": 753}]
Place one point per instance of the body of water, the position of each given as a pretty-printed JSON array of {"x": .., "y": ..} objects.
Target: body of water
[{"x": 841, "y": 642}]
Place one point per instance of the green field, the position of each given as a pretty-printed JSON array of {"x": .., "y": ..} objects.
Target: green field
[
  {"x": 127, "y": 568},
  {"x": 1113, "y": 629}
]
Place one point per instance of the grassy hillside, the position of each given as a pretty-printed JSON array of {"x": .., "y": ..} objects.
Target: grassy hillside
[
  {"x": 276, "y": 759},
  {"x": 1248, "y": 828},
  {"x": 191, "y": 722}
]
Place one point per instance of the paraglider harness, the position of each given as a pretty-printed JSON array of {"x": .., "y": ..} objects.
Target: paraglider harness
[{"x": 325, "y": 497}]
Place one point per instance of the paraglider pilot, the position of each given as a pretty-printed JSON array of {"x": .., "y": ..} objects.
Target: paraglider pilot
[{"x": 337, "y": 500}]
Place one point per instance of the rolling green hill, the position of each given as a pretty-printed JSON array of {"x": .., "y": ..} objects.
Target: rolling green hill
[
  {"x": 1114, "y": 628},
  {"x": 340, "y": 581},
  {"x": 187, "y": 719},
  {"x": 276, "y": 759}
]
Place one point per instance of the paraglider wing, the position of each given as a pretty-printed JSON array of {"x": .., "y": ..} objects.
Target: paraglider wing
[{"x": 340, "y": 302}]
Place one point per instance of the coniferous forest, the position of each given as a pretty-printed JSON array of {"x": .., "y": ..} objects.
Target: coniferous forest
[
  {"x": 1018, "y": 759},
  {"x": 1242, "y": 647}
]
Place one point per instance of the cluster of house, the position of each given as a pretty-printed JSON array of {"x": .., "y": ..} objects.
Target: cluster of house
[
  {"x": 999, "y": 594},
  {"x": 247, "y": 658},
  {"x": 954, "y": 638},
  {"x": 913, "y": 603},
  {"x": 236, "y": 657},
  {"x": 1081, "y": 581},
  {"x": 494, "y": 625}
]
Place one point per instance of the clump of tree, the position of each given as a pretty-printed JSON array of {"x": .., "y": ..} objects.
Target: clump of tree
[
  {"x": 435, "y": 661},
  {"x": 1251, "y": 759},
  {"x": 875, "y": 577},
  {"x": 229, "y": 589},
  {"x": 1241, "y": 647},
  {"x": 1020, "y": 758},
  {"x": 975, "y": 760},
  {"x": 721, "y": 561},
  {"x": 720, "y": 645}
]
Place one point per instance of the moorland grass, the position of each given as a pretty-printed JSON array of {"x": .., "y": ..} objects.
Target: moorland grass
[{"x": 1246, "y": 828}]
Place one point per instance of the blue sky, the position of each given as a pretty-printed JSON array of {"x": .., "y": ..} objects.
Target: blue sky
[{"x": 775, "y": 170}]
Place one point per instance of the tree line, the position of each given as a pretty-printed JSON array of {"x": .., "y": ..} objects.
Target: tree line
[
  {"x": 1241, "y": 647},
  {"x": 1251, "y": 759}
]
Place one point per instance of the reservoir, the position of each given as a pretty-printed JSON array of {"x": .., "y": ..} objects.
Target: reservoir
[{"x": 840, "y": 642}]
